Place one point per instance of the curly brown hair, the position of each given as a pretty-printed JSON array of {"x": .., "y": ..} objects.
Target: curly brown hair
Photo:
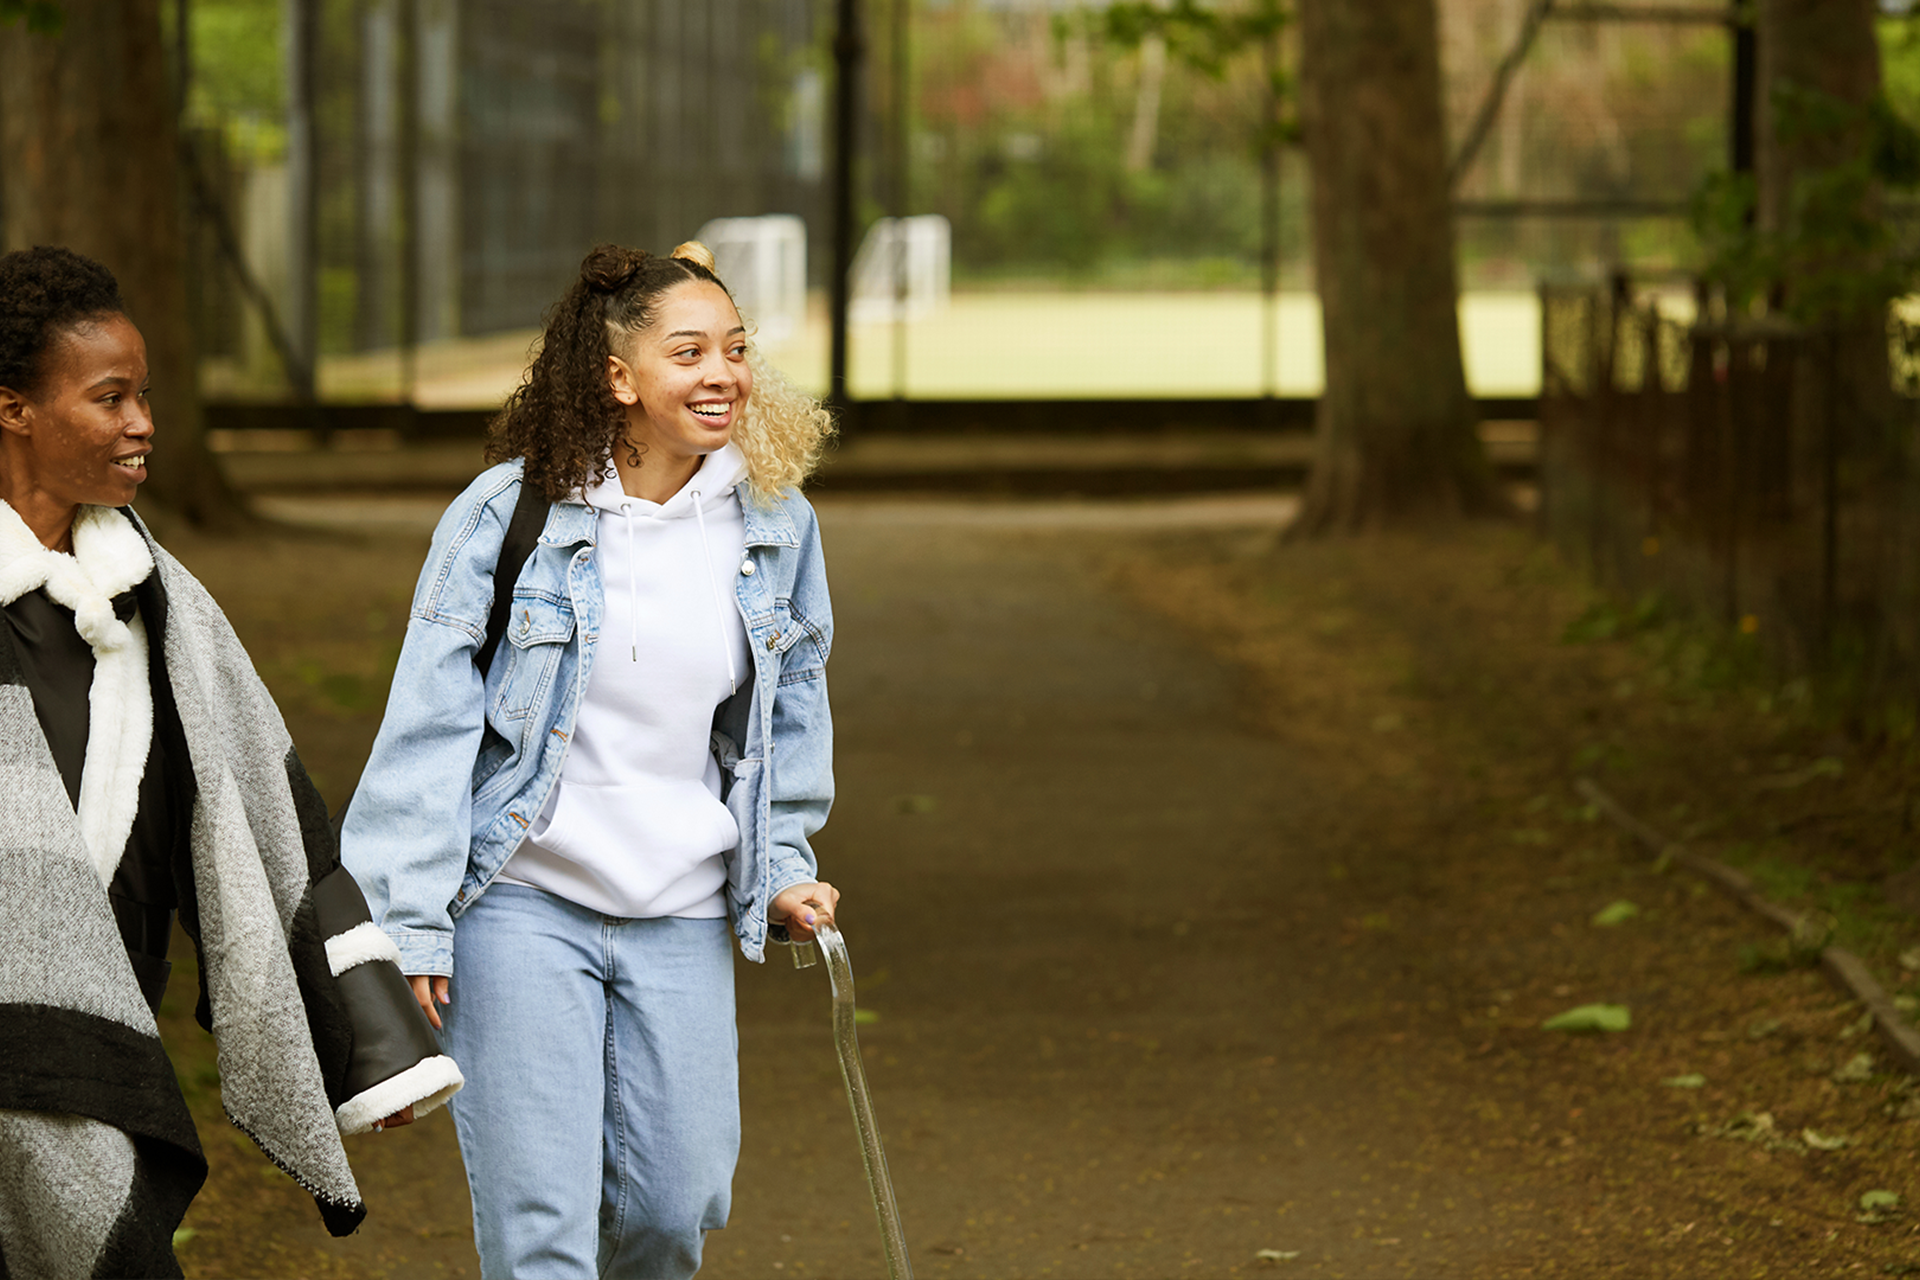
[{"x": 563, "y": 418}]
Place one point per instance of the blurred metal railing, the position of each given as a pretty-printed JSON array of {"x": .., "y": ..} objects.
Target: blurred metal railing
[{"x": 1750, "y": 470}]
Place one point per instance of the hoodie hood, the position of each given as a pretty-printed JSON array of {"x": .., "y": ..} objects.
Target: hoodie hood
[{"x": 713, "y": 483}]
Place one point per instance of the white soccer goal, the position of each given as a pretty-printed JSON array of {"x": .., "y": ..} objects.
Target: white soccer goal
[
  {"x": 764, "y": 263},
  {"x": 915, "y": 252}
]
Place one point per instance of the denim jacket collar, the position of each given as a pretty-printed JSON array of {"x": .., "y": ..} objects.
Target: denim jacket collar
[
  {"x": 767, "y": 525},
  {"x": 569, "y": 523}
]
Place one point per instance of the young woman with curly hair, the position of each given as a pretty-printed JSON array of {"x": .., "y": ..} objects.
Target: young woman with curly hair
[{"x": 557, "y": 835}]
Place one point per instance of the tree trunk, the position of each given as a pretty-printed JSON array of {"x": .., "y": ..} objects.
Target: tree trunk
[
  {"x": 1827, "y": 47},
  {"x": 89, "y": 149},
  {"x": 1397, "y": 441}
]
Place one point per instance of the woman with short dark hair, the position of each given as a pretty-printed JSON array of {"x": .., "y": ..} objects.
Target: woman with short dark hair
[{"x": 148, "y": 775}]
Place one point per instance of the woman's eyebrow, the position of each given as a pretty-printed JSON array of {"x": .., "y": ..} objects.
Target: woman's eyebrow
[{"x": 695, "y": 333}]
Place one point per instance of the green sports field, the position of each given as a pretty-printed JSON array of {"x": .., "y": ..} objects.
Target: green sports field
[
  {"x": 1150, "y": 345},
  {"x": 1006, "y": 345}
]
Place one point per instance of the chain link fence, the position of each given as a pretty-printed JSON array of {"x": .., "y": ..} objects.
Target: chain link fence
[
  {"x": 425, "y": 174},
  {"x": 411, "y": 181}
]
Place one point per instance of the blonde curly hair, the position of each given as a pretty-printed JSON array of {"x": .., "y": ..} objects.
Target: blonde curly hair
[
  {"x": 783, "y": 431},
  {"x": 564, "y": 420}
]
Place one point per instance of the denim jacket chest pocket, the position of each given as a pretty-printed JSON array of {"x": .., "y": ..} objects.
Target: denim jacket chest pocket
[
  {"x": 538, "y": 628},
  {"x": 795, "y": 643}
]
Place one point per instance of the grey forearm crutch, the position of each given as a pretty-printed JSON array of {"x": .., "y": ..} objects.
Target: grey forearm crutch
[{"x": 847, "y": 1043}]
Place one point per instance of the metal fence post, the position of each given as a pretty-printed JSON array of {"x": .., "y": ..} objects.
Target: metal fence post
[{"x": 849, "y": 52}]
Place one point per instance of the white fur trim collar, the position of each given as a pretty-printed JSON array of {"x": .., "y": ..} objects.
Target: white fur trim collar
[{"x": 109, "y": 557}]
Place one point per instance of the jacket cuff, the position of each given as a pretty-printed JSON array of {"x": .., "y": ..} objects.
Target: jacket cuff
[
  {"x": 393, "y": 1059},
  {"x": 356, "y": 946},
  {"x": 422, "y": 951},
  {"x": 424, "y": 1086},
  {"x": 396, "y": 1060}
]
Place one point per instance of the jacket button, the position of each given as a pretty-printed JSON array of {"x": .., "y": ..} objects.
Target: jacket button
[{"x": 746, "y": 568}]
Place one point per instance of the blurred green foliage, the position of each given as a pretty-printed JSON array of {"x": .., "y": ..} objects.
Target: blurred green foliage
[
  {"x": 1202, "y": 36},
  {"x": 1839, "y": 252},
  {"x": 44, "y": 16},
  {"x": 239, "y": 76},
  {"x": 1027, "y": 138}
]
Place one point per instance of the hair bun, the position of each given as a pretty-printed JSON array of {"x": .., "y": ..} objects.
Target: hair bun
[
  {"x": 695, "y": 252},
  {"x": 610, "y": 267}
]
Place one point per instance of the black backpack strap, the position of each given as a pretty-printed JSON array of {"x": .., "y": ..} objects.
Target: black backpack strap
[{"x": 523, "y": 535}]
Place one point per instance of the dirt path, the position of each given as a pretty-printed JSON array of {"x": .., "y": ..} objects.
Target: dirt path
[{"x": 1209, "y": 899}]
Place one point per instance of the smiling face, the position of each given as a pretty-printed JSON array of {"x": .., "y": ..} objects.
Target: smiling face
[
  {"x": 684, "y": 379},
  {"x": 82, "y": 434}
]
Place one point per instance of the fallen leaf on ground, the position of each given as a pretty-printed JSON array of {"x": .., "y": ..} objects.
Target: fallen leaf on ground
[
  {"x": 1825, "y": 1142},
  {"x": 1756, "y": 1127},
  {"x": 1878, "y": 1206},
  {"x": 1691, "y": 1080},
  {"x": 1591, "y": 1017},
  {"x": 1615, "y": 913},
  {"x": 1858, "y": 1068}
]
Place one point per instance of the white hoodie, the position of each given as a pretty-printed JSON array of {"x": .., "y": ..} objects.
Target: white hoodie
[{"x": 635, "y": 826}]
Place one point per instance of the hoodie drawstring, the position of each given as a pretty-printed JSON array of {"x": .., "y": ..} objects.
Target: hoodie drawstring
[
  {"x": 713, "y": 586},
  {"x": 633, "y": 638}
]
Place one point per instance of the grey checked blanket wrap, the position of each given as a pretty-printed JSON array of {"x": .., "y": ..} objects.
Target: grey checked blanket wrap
[{"x": 98, "y": 1155}]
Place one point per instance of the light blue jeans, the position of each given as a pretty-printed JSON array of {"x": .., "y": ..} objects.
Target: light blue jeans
[{"x": 600, "y": 1123}]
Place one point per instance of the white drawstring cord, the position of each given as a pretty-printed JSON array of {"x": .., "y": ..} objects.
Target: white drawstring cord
[
  {"x": 633, "y": 606},
  {"x": 719, "y": 613}
]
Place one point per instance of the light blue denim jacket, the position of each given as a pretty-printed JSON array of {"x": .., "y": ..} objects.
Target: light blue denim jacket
[{"x": 449, "y": 793}]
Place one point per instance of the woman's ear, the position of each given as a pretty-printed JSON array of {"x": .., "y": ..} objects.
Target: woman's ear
[
  {"x": 620, "y": 379},
  {"x": 15, "y": 412}
]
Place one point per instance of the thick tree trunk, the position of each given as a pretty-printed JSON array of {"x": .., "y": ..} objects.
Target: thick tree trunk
[
  {"x": 1827, "y": 49},
  {"x": 1397, "y": 441},
  {"x": 1826, "y": 46},
  {"x": 89, "y": 153}
]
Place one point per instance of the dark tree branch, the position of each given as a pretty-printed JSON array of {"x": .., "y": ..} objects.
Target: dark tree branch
[{"x": 1497, "y": 91}]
